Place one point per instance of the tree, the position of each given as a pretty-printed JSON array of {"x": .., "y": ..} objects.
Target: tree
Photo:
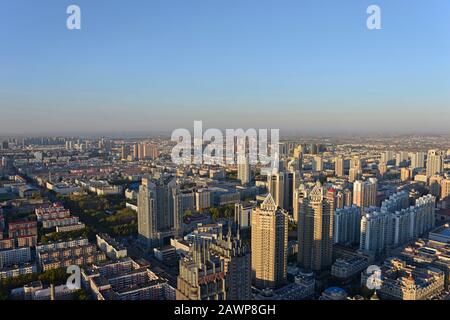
[{"x": 215, "y": 214}]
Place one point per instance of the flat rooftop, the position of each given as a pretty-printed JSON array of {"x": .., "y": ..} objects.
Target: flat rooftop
[{"x": 443, "y": 231}]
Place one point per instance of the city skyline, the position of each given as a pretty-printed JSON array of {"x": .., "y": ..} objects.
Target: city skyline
[{"x": 155, "y": 67}]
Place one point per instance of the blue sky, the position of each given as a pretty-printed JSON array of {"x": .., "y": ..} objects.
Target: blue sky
[{"x": 150, "y": 65}]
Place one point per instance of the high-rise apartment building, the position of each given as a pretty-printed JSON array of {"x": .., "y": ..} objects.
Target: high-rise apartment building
[
  {"x": 269, "y": 244},
  {"x": 396, "y": 223},
  {"x": 417, "y": 160},
  {"x": 201, "y": 275},
  {"x": 387, "y": 157},
  {"x": 354, "y": 174},
  {"x": 445, "y": 193},
  {"x": 298, "y": 155},
  {"x": 346, "y": 223},
  {"x": 401, "y": 159},
  {"x": 339, "y": 166},
  {"x": 382, "y": 169},
  {"x": 435, "y": 163},
  {"x": 365, "y": 193},
  {"x": 405, "y": 174},
  {"x": 237, "y": 266},
  {"x": 356, "y": 162},
  {"x": 434, "y": 183},
  {"x": 315, "y": 229},
  {"x": 317, "y": 164},
  {"x": 374, "y": 231},
  {"x": 244, "y": 172},
  {"x": 158, "y": 211},
  {"x": 276, "y": 185}
]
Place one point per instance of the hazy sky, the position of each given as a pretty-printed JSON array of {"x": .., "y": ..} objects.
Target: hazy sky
[{"x": 151, "y": 65}]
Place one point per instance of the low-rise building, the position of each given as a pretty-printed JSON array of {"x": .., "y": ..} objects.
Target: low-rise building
[
  {"x": 110, "y": 246},
  {"x": 125, "y": 279},
  {"x": 401, "y": 281}
]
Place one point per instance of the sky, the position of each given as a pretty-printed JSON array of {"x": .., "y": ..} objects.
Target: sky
[{"x": 307, "y": 66}]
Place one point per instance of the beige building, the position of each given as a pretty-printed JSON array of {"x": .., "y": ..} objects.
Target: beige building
[
  {"x": 339, "y": 166},
  {"x": 365, "y": 193},
  {"x": 276, "y": 187},
  {"x": 202, "y": 275},
  {"x": 315, "y": 232},
  {"x": 405, "y": 174},
  {"x": 435, "y": 163},
  {"x": 269, "y": 244}
]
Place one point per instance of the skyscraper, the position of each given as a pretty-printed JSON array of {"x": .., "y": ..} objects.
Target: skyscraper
[
  {"x": 237, "y": 265},
  {"x": 382, "y": 168},
  {"x": 346, "y": 223},
  {"x": 374, "y": 231},
  {"x": 299, "y": 193},
  {"x": 317, "y": 164},
  {"x": 401, "y": 159},
  {"x": 201, "y": 275},
  {"x": 354, "y": 173},
  {"x": 356, "y": 163},
  {"x": 276, "y": 187},
  {"x": 298, "y": 155},
  {"x": 269, "y": 244},
  {"x": 445, "y": 193},
  {"x": 365, "y": 193},
  {"x": 396, "y": 223},
  {"x": 289, "y": 185},
  {"x": 156, "y": 211},
  {"x": 315, "y": 231},
  {"x": 387, "y": 157},
  {"x": 417, "y": 160},
  {"x": 339, "y": 166},
  {"x": 435, "y": 163},
  {"x": 244, "y": 172}
]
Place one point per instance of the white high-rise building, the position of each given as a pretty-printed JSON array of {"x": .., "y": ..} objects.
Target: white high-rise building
[
  {"x": 374, "y": 228},
  {"x": 435, "y": 163},
  {"x": 346, "y": 227},
  {"x": 317, "y": 164},
  {"x": 339, "y": 166},
  {"x": 387, "y": 156},
  {"x": 365, "y": 193},
  {"x": 244, "y": 172},
  {"x": 417, "y": 160},
  {"x": 396, "y": 224},
  {"x": 401, "y": 159}
]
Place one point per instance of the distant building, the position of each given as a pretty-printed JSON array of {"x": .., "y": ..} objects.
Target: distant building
[
  {"x": 244, "y": 172},
  {"x": 339, "y": 166},
  {"x": 365, "y": 193},
  {"x": 276, "y": 186},
  {"x": 435, "y": 163}
]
